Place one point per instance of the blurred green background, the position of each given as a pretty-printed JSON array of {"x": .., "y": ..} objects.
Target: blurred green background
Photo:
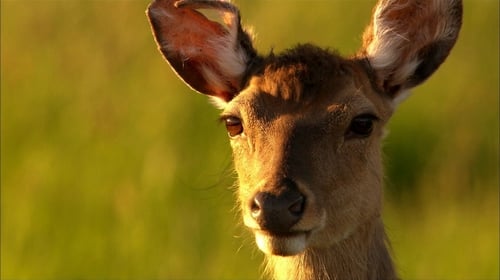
[{"x": 111, "y": 168}]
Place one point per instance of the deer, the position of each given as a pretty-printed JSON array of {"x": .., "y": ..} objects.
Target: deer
[{"x": 306, "y": 125}]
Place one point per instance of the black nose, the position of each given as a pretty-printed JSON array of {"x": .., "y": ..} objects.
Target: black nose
[{"x": 278, "y": 212}]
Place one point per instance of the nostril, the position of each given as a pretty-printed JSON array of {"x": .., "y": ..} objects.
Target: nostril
[
  {"x": 277, "y": 212},
  {"x": 255, "y": 206},
  {"x": 297, "y": 207}
]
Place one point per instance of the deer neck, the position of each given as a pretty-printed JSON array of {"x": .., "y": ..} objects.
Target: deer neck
[{"x": 363, "y": 255}]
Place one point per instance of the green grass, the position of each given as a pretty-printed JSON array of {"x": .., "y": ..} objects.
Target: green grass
[{"x": 112, "y": 169}]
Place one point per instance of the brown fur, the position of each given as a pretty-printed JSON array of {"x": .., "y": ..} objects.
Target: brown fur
[
  {"x": 292, "y": 120},
  {"x": 312, "y": 93},
  {"x": 364, "y": 255}
]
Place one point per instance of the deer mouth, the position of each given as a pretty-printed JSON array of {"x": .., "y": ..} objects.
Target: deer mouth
[{"x": 287, "y": 244}]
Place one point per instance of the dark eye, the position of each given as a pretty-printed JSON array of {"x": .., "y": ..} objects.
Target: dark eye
[
  {"x": 233, "y": 126},
  {"x": 361, "y": 126}
]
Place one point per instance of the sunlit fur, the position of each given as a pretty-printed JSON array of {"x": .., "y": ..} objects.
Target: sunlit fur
[
  {"x": 399, "y": 32},
  {"x": 319, "y": 92},
  {"x": 210, "y": 49},
  {"x": 296, "y": 109}
]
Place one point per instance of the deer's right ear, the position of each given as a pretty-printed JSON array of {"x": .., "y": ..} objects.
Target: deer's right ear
[{"x": 211, "y": 57}]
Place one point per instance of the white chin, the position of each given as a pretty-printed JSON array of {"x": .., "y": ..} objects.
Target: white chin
[{"x": 281, "y": 245}]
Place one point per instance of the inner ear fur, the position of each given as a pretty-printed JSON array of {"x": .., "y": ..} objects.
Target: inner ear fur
[
  {"x": 407, "y": 40},
  {"x": 211, "y": 57}
]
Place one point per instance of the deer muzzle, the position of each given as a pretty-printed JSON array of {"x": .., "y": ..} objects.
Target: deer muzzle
[{"x": 272, "y": 215}]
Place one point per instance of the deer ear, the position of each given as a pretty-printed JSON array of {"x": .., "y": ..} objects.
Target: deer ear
[
  {"x": 209, "y": 56},
  {"x": 407, "y": 40}
]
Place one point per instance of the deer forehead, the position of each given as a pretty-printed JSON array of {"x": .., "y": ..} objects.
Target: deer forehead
[{"x": 308, "y": 86}]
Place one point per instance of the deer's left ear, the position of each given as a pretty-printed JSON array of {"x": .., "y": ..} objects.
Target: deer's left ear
[
  {"x": 407, "y": 40},
  {"x": 210, "y": 56}
]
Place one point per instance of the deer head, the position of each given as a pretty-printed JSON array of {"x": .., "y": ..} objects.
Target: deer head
[{"x": 305, "y": 125}]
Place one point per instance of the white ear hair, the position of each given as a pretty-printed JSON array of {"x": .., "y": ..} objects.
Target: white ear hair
[
  {"x": 400, "y": 97},
  {"x": 218, "y": 102},
  {"x": 407, "y": 40},
  {"x": 209, "y": 56}
]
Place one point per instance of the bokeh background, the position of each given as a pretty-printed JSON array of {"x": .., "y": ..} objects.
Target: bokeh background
[{"x": 111, "y": 168}]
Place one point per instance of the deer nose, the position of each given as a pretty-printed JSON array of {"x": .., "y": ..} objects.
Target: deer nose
[{"x": 277, "y": 213}]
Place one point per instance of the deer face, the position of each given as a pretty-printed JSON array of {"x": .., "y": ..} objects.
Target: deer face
[
  {"x": 305, "y": 126},
  {"x": 305, "y": 135}
]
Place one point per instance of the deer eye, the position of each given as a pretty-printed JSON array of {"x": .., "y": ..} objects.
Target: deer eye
[
  {"x": 233, "y": 125},
  {"x": 361, "y": 126}
]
